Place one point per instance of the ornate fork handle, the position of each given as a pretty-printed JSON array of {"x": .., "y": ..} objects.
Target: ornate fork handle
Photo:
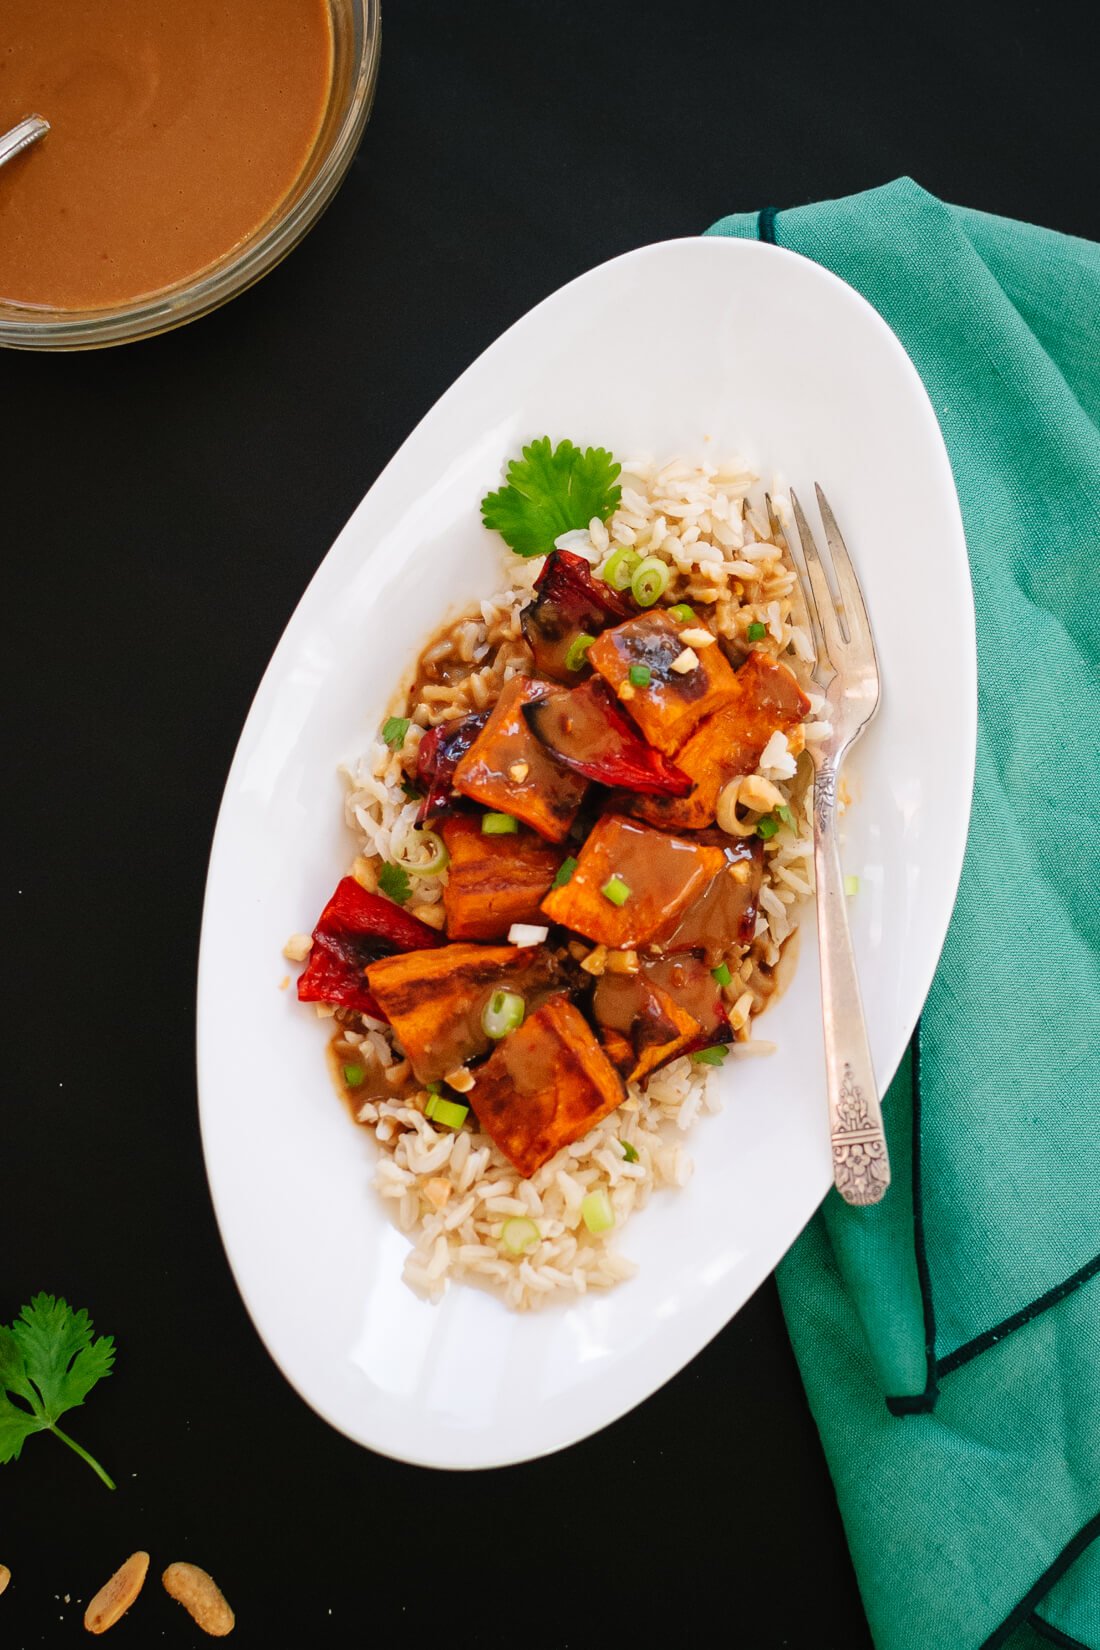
[{"x": 861, "y": 1167}]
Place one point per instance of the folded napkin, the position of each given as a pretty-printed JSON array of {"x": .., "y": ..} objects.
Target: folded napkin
[{"x": 949, "y": 1338}]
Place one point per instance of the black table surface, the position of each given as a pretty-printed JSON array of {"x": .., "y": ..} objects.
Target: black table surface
[{"x": 164, "y": 506}]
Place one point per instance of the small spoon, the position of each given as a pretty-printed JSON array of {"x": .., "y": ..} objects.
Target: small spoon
[{"x": 22, "y": 136}]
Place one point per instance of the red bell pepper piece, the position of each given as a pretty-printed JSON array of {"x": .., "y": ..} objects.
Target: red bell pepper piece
[
  {"x": 569, "y": 602},
  {"x": 585, "y": 730},
  {"x": 354, "y": 929},
  {"x": 440, "y": 752}
]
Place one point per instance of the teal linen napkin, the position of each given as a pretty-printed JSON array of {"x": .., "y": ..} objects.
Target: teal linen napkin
[{"x": 949, "y": 1338}]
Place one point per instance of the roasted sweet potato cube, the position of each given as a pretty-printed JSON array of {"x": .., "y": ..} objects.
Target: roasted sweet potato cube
[
  {"x": 729, "y": 743},
  {"x": 546, "y": 1085},
  {"x": 507, "y": 769},
  {"x": 721, "y": 919},
  {"x": 434, "y": 999},
  {"x": 632, "y": 884},
  {"x": 494, "y": 881},
  {"x": 654, "y": 1025},
  {"x": 673, "y": 703}
]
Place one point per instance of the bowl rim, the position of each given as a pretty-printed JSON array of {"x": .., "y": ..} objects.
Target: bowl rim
[{"x": 40, "y": 328}]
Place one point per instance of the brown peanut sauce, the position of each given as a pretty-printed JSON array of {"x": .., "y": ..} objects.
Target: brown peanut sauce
[{"x": 176, "y": 128}]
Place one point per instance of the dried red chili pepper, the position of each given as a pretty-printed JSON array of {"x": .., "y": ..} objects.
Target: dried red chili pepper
[
  {"x": 569, "y": 602},
  {"x": 440, "y": 752},
  {"x": 354, "y": 929},
  {"x": 585, "y": 730}
]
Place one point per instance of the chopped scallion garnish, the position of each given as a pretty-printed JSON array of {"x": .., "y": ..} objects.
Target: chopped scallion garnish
[
  {"x": 578, "y": 648},
  {"x": 712, "y": 1056},
  {"x": 722, "y": 974},
  {"x": 394, "y": 730},
  {"x": 618, "y": 569},
  {"x": 355, "y": 1076},
  {"x": 756, "y": 631},
  {"x": 785, "y": 814},
  {"x": 766, "y": 827},
  {"x": 565, "y": 871},
  {"x": 629, "y": 1151},
  {"x": 502, "y": 1013},
  {"x": 616, "y": 890},
  {"x": 681, "y": 613},
  {"x": 448, "y": 1113},
  {"x": 519, "y": 1234},
  {"x": 650, "y": 580},
  {"x": 597, "y": 1213},
  {"x": 498, "y": 824},
  {"x": 640, "y": 675}
]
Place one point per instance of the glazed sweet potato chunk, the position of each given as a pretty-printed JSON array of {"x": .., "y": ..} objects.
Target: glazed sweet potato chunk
[
  {"x": 673, "y": 703},
  {"x": 722, "y": 918},
  {"x": 494, "y": 881},
  {"x": 510, "y": 771},
  {"x": 729, "y": 743},
  {"x": 546, "y": 1085},
  {"x": 434, "y": 999},
  {"x": 632, "y": 884},
  {"x": 641, "y": 1020}
]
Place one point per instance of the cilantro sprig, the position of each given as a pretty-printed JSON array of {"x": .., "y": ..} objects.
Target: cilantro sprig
[
  {"x": 49, "y": 1362},
  {"x": 550, "y": 491}
]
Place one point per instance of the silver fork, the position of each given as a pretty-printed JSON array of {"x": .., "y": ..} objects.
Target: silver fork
[{"x": 847, "y": 672}]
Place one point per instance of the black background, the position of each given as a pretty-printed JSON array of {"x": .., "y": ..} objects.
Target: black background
[{"x": 164, "y": 506}]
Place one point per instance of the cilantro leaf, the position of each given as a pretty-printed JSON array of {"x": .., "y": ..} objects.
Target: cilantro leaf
[
  {"x": 50, "y": 1360},
  {"x": 551, "y": 491},
  {"x": 395, "y": 882}
]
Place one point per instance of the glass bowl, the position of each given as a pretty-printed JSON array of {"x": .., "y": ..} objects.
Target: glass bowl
[{"x": 356, "y": 35}]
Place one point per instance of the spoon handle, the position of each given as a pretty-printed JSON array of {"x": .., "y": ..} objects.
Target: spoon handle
[{"x": 22, "y": 136}]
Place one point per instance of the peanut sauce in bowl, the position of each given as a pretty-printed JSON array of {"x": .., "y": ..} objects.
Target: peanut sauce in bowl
[{"x": 191, "y": 145}]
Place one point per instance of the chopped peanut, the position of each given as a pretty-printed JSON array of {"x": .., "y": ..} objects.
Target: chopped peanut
[
  {"x": 116, "y": 1596},
  {"x": 622, "y": 962},
  {"x": 364, "y": 873},
  {"x": 760, "y": 794},
  {"x": 596, "y": 960},
  {"x": 697, "y": 637},
  {"x": 685, "y": 662},
  {"x": 437, "y": 1191},
  {"x": 397, "y": 1073},
  {"x": 298, "y": 947},
  {"x": 462, "y": 1081},
  {"x": 741, "y": 1010},
  {"x": 626, "y": 690},
  {"x": 519, "y": 771}
]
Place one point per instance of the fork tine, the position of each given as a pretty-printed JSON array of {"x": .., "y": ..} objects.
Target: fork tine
[
  {"x": 805, "y": 594},
  {"x": 855, "y": 609},
  {"x": 820, "y": 596}
]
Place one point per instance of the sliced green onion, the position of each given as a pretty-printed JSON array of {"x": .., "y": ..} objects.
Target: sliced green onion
[
  {"x": 722, "y": 974},
  {"x": 411, "y": 791},
  {"x": 766, "y": 827},
  {"x": 355, "y": 1076},
  {"x": 851, "y": 886},
  {"x": 640, "y": 675},
  {"x": 498, "y": 824},
  {"x": 439, "y": 861},
  {"x": 649, "y": 580},
  {"x": 785, "y": 814},
  {"x": 434, "y": 1088},
  {"x": 756, "y": 631},
  {"x": 712, "y": 1056},
  {"x": 629, "y": 1152},
  {"x": 616, "y": 890},
  {"x": 681, "y": 613},
  {"x": 519, "y": 1234},
  {"x": 565, "y": 871},
  {"x": 502, "y": 1013},
  {"x": 596, "y": 1211},
  {"x": 446, "y": 1112},
  {"x": 578, "y": 648},
  {"x": 618, "y": 569},
  {"x": 394, "y": 730},
  {"x": 393, "y": 881}
]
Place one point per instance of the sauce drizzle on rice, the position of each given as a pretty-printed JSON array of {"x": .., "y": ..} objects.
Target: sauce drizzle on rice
[{"x": 669, "y": 971}]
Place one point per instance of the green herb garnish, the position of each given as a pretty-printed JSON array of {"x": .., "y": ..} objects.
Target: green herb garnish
[
  {"x": 395, "y": 882},
  {"x": 578, "y": 649},
  {"x": 712, "y": 1056},
  {"x": 766, "y": 827},
  {"x": 722, "y": 974},
  {"x": 565, "y": 871},
  {"x": 628, "y": 1151},
  {"x": 394, "y": 729},
  {"x": 355, "y": 1076},
  {"x": 681, "y": 613},
  {"x": 498, "y": 825},
  {"x": 756, "y": 631},
  {"x": 785, "y": 814},
  {"x": 640, "y": 675},
  {"x": 616, "y": 890},
  {"x": 448, "y": 1113},
  {"x": 50, "y": 1362},
  {"x": 550, "y": 491}
]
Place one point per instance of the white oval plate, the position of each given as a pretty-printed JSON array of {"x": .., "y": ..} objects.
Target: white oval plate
[{"x": 687, "y": 346}]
